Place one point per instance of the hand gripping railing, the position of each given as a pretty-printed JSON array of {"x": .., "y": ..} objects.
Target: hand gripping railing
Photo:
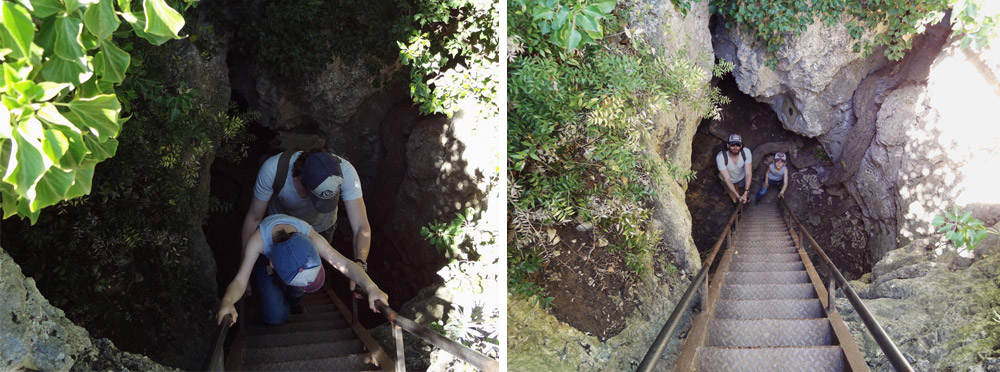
[
  {"x": 700, "y": 281},
  {"x": 881, "y": 338},
  {"x": 216, "y": 362}
]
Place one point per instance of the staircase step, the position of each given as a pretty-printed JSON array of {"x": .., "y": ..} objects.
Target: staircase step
[
  {"x": 296, "y": 338},
  {"x": 767, "y": 291},
  {"x": 769, "y": 309},
  {"x": 301, "y": 352},
  {"x": 768, "y": 332},
  {"x": 313, "y": 315},
  {"x": 767, "y": 277},
  {"x": 792, "y": 359},
  {"x": 766, "y": 257},
  {"x": 299, "y": 327},
  {"x": 316, "y": 299},
  {"x": 766, "y": 266},
  {"x": 355, "y": 362},
  {"x": 766, "y": 250}
]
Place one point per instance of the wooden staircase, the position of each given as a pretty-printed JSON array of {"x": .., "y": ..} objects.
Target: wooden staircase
[
  {"x": 322, "y": 339},
  {"x": 767, "y": 308}
]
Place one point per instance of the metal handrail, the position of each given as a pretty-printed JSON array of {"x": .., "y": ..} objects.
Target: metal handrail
[
  {"x": 216, "y": 362},
  {"x": 475, "y": 358},
  {"x": 881, "y": 338},
  {"x": 653, "y": 355}
]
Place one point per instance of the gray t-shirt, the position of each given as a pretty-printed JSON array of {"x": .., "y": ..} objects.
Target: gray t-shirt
[
  {"x": 267, "y": 228},
  {"x": 289, "y": 201},
  {"x": 735, "y": 168}
]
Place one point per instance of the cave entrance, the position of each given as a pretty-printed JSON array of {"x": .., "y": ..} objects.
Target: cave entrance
[{"x": 831, "y": 215}]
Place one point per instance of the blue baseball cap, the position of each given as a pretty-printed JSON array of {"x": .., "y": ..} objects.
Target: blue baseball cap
[
  {"x": 322, "y": 176},
  {"x": 297, "y": 263}
]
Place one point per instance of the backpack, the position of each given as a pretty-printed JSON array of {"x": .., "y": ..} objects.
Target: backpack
[{"x": 725, "y": 156}]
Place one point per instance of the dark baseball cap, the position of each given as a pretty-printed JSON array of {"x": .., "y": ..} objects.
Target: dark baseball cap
[
  {"x": 297, "y": 263},
  {"x": 735, "y": 138},
  {"x": 322, "y": 176}
]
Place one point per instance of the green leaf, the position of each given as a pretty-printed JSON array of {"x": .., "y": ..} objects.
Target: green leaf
[
  {"x": 937, "y": 221},
  {"x": 587, "y": 23},
  {"x": 100, "y": 19},
  {"x": 18, "y": 25},
  {"x": 6, "y": 130},
  {"x": 59, "y": 70},
  {"x": 574, "y": 39},
  {"x": 99, "y": 113},
  {"x": 8, "y": 199},
  {"x": 82, "y": 181},
  {"x": 28, "y": 165},
  {"x": 67, "y": 43},
  {"x": 45, "y": 8},
  {"x": 55, "y": 146},
  {"x": 101, "y": 150},
  {"x": 965, "y": 217},
  {"x": 51, "y": 188},
  {"x": 162, "y": 20},
  {"x": 113, "y": 61},
  {"x": 605, "y": 7}
]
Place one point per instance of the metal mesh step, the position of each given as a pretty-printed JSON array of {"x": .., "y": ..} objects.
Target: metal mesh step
[
  {"x": 768, "y": 332},
  {"x": 766, "y": 250},
  {"x": 767, "y": 277},
  {"x": 769, "y": 309},
  {"x": 299, "y": 327},
  {"x": 766, "y": 257},
  {"x": 312, "y": 316},
  {"x": 301, "y": 352},
  {"x": 355, "y": 362},
  {"x": 766, "y": 266},
  {"x": 791, "y": 359},
  {"x": 296, "y": 338},
  {"x": 767, "y": 291}
]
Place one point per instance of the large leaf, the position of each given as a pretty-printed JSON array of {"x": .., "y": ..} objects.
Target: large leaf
[
  {"x": 29, "y": 164},
  {"x": 162, "y": 20},
  {"x": 139, "y": 24},
  {"x": 45, "y": 8},
  {"x": 101, "y": 150},
  {"x": 77, "y": 147},
  {"x": 59, "y": 70},
  {"x": 111, "y": 62},
  {"x": 55, "y": 145},
  {"x": 83, "y": 180},
  {"x": 67, "y": 43},
  {"x": 18, "y": 25},
  {"x": 99, "y": 113},
  {"x": 8, "y": 199},
  {"x": 51, "y": 188},
  {"x": 100, "y": 19}
]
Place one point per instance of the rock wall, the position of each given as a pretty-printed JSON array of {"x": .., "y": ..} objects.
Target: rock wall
[
  {"x": 936, "y": 305},
  {"x": 36, "y": 336},
  {"x": 542, "y": 342}
]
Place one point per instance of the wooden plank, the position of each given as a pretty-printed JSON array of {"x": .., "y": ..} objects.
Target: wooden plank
[
  {"x": 378, "y": 354},
  {"x": 686, "y": 361}
]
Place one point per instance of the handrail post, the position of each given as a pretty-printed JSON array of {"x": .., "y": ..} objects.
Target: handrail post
[
  {"x": 831, "y": 305},
  {"x": 397, "y": 333}
]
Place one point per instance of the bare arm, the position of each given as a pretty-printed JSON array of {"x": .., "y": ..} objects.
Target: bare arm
[
  {"x": 239, "y": 284},
  {"x": 358, "y": 216},
  {"x": 725, "y": 176},
  {"x": 254, "y": 215},
  {"x": 748, "y": 168},
  {"x": 351, "y": 270}
]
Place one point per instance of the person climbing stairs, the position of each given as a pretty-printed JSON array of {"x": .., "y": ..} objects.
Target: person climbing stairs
[
  {"x": 766, "y": 308},
  {"x": 321, "y": 339}
]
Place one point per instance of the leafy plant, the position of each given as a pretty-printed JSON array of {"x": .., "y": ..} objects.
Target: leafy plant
[
  {"x": 962, "y": 229},
  {"x": 60, "y": 115},
  {"x": 570, "y": 26},
  {"x": 451, "y": 49}
]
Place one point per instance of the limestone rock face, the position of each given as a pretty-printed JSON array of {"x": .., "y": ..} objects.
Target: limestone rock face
[
  {"x": 935, "y": 306},
  {"x": 34, "y": 335},
  {"x": 811, "y": 86}
]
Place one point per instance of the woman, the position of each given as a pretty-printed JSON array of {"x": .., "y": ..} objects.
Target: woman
[
  {"x": 776, "y": 174},
  {"x": 284, "y": 257}
]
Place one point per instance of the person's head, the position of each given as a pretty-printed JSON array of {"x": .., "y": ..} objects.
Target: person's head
[
  {"x": 321, "y": 175},
  {"x": 779, "y": 160},
  {"x": 735, "y": 143},
  {"x": 296, "y": 262}
]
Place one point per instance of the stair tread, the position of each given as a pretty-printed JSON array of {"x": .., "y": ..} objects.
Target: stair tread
[
  {"x": 327, "y": 324},
  {"x": 261, "y": 355},
  {"x": 341, "y": 363},
  {"x": 766, "y": 257},
  {"x": 769, "y": 309},
  {"x": 766, "y": 266},
  {"x": 768, "y": 332},
  {"x": 293, "y": 338},
  {"x": 800, "y": 359},
  {"x": 767, "y": 277},
  {"x": 767, "y": 291}
]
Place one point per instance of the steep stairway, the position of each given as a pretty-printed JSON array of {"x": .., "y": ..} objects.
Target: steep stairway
[
  {"x": 322, "y": 339},
  {"x": 766, "y": 307}
]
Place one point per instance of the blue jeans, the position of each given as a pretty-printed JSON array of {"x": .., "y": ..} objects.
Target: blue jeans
[
  {"x": 276, "y": 298},
  {"x": 763, "y": 188}
]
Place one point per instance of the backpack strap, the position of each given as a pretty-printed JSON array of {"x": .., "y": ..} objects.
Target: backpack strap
[
  {"x": 282, "y": 173},
  {"x": 744, "y": 153}
]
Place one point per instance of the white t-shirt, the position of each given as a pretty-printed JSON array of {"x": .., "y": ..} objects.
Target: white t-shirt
[
  {"x": 289, "y": 201},
  {"x": 735, "y": 168}
]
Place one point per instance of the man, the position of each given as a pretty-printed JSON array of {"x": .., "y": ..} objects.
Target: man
[
  {"x": 735, "y": 169},
  {"x": 312, "y": 186}
]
